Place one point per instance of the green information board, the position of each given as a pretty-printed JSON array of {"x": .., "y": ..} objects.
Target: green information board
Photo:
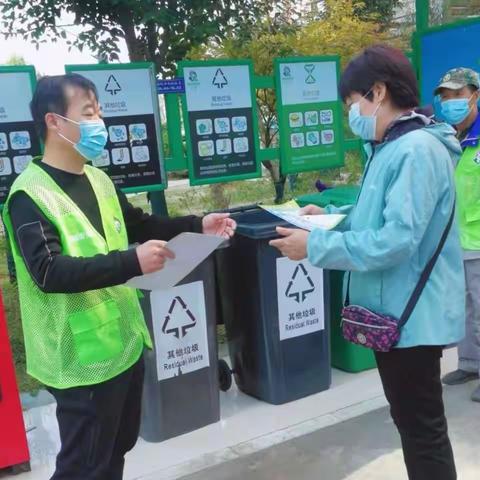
[
  {"x": 219, "y": 111},
  {"x": 309, "y": 113},
  {"x": 19, "y": 142},
  {"x": 133, "y": 156}
]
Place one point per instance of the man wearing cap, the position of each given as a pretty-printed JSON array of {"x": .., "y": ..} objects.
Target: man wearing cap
[{"x": 458, "y": 93}]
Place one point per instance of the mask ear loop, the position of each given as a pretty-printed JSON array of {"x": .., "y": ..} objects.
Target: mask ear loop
[
  {"x": 467, "y": 138},
  {"x": 378, "y": 106},
  {"x": 65, "y": 138},
  {"x": 68, "y": 120}
]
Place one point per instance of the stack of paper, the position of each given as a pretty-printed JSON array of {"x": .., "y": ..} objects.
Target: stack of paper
[{"x": 290, "y": 212}]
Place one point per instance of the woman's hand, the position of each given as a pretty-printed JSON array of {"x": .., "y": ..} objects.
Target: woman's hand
[
  {"x": 293, "y": 244},
  {"x": 312, "y": 210}
]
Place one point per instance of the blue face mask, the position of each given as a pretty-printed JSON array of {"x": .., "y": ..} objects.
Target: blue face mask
[
  {"x": 456, "y": 110},
  {"x": 93, "y": 138},
  {"x": 363, "y": 126}
]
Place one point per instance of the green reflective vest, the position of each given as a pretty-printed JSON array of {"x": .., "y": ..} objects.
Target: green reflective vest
[
  {"x": 83, "y": 338},
  {"x": 467, "y": 180}
]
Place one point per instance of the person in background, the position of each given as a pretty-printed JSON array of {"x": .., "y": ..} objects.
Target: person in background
[
  {"x": 84, "y": 330},
  {"x": 458, "y": 93},
  {"x": 405, "y": 204}
]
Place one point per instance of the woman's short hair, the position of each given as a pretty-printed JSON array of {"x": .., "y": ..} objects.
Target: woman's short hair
[{"x": 381, "y": 63}]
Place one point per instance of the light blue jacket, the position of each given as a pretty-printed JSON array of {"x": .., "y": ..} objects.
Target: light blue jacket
[{"x": 393, "y": 230}]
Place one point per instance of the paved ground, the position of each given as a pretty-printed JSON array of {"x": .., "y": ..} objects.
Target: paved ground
[{"x": 364, "y": 448}]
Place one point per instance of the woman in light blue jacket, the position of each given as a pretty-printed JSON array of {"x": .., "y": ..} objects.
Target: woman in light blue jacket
[{"x": 404, "y": 205}]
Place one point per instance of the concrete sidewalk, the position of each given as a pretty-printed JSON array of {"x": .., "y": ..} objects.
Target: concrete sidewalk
[
  {"x": 341, "y": 433},
  {"x": 363, "y": 448}
]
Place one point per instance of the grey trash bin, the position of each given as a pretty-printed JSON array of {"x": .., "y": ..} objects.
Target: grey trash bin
[{"x": 189, "y": 398}]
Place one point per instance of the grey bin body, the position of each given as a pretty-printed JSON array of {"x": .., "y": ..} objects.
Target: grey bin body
[
  {"x": 264, "y": 366},
  {"x": 190, "y": 401}
]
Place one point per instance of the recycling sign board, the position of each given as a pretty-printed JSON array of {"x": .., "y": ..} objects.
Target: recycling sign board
[
  {"x": 19, "y": 142},
  {"x": 219, "y": 109},
  {"x": 133, "y": 156},
  {"x": 309, "y": 113},
  {"x": 300, "y": 298},
  {"x": 180, "y": 330}
]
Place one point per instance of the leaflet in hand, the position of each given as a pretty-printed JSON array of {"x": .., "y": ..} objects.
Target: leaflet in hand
[
  {"x": 290, "y": 212},
  {"x": 190, "y": 250}
]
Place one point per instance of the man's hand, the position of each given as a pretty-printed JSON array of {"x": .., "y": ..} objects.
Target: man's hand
[
  {"x": 294, "y": 243},
  {"x": 312, "y": 210},
  {"x": 219, "y": 224},
  {"x": 152, "y": 255}
]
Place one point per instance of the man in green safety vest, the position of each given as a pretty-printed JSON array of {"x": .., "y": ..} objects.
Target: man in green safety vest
[
  {"x": 84, "y": 331},
  {"x": 458, "y": 93}
]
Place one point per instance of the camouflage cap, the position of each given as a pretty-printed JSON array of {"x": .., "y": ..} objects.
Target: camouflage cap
[{"x": 457, "y": 78}]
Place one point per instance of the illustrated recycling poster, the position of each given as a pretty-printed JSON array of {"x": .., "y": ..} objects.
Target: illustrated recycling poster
[
  {"x": 133, "y": 156},
  {"x": 309, "y": 113},
  {"x": 220, "y": 121},
  {"x": 19, "y": 142}
]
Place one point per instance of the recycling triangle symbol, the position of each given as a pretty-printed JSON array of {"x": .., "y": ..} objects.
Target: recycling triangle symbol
[
  {"x": 112, "y": 86},
  {"x": 179, "y": 319},
  {"x": 300, "y": 284},
  {"x": 219, "y": 79}
]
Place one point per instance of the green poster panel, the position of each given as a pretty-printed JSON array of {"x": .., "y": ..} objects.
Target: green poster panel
[
  {"x": 219, "y": 110},
  {"x": 133, "y": 156},
  {"x": 309, "y": 113},
  {"x": 19, "y": 142}
]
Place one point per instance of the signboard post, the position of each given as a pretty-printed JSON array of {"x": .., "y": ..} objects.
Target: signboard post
[
  {"x": 18, "y": 140},
  {"x": 309, "y": 113},
  {"x": 133, "y": 157},
  {"x": 219, "y": 109}
]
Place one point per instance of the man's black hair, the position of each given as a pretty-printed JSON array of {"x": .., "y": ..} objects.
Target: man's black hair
[
  {"x": 50, "y": 97},
  {"x": 388, "y": 65}
]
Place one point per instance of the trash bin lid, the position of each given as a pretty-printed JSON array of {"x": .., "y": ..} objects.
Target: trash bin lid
[
  {"x": 338, "y": 196},
  {"x": 258, "y": 224}
]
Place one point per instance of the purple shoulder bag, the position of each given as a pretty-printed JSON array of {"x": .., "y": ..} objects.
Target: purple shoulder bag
[{"x": 382, "y": 332}]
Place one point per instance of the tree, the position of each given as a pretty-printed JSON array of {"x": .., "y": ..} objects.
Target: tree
[
  {"x": 383, "y": 10},
  {"x": 161, "y": 31},
  {"x": 340, "y": 30},
  {"x": 15, "y": 60}
]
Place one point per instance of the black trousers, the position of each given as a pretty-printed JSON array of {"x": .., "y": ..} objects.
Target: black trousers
[
  {"x": 411, "y": 381},
  {"x": 98, "y": 425}
]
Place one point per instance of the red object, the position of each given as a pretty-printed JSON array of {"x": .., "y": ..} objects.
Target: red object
[{"x": 13, "y": 439}]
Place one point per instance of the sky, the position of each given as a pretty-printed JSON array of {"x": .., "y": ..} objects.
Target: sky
[{"x": 51, "y": 57}]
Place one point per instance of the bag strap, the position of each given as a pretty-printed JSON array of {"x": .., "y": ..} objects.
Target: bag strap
[
  {"x": 412, "y": 302},
  {"x": 417, "y": 292}
]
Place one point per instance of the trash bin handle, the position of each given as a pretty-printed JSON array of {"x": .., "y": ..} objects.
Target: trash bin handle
[{"x": 245, "y": 208}]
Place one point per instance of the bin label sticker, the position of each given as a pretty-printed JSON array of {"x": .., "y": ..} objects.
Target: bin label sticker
[
  {"x": 180, "y": 330},
  {"x": 300, "y": 298}
]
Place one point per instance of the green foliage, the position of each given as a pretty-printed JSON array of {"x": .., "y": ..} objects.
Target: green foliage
[
  {"x": 383, "y": 9},
  {"x": 15, "y": 60},
  {"x": 161, "y": 31}
]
